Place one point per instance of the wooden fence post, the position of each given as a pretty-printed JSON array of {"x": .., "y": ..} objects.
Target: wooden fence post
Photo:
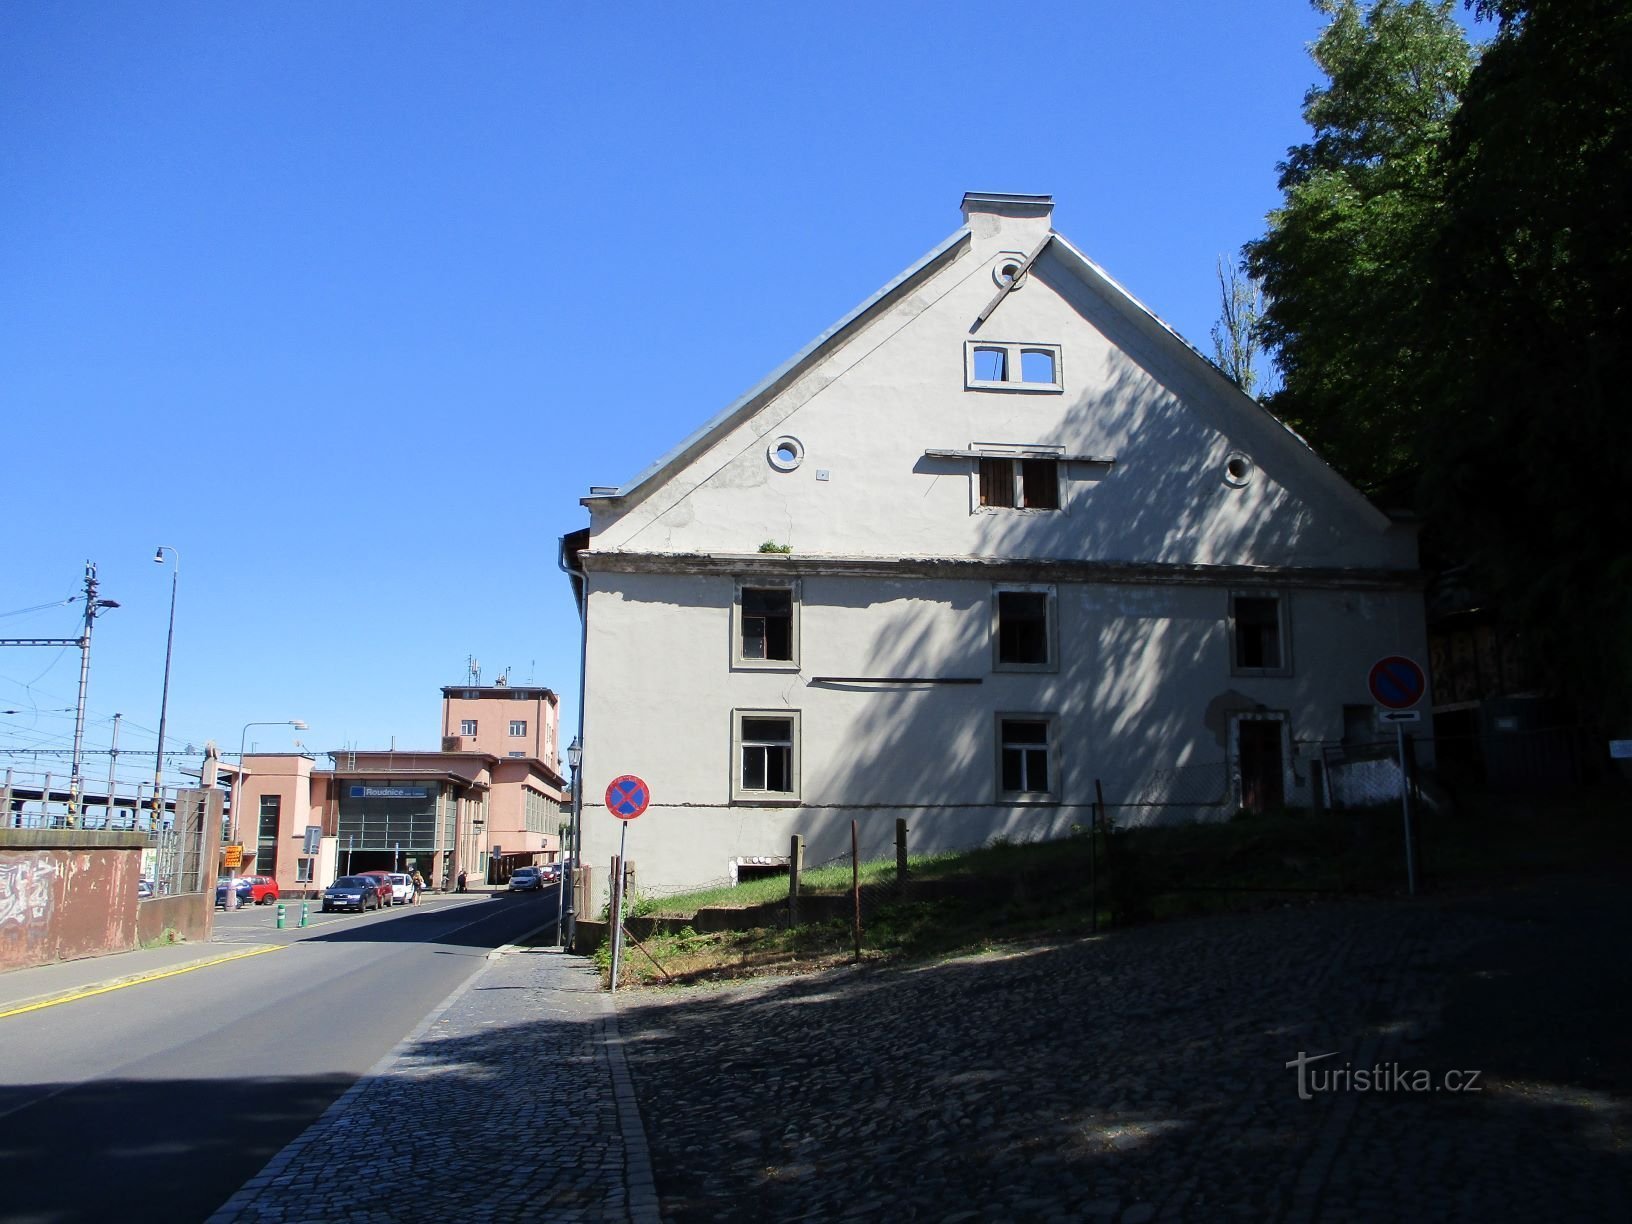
[
  {"x": 796, "y": 868},
  {"x": 900, "y": 850},
  {"x": 855, "y": 886}
]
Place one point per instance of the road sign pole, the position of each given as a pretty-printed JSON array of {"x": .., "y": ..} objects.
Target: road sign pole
[
  {"x": 1405, "y": 811},
  {"x": 617, "y": 904}
]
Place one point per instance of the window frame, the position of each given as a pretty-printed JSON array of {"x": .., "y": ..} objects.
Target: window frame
[
  {"x": 467, "y": 728},
  {"x": 740, "y": 793},
  {"x": 1014, "y": 353},
  {"x": 1283, "y": 627},
  {"x": 518, "y": 722},
  {"x": 740, "y": 661},
  {"x": 1051, "y": 627},
  {"x": 1051, "y": 746},
  {"x": 1017, "y": 484}
]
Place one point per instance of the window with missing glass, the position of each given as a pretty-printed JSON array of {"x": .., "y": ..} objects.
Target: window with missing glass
[
  {"x": 1024, "y": 633},
  {"x": 765, "y": 752},
  {"x": 1259, "y": 638},
  {"x": 1011, "y": 366},
  {"x": 766, "y": 631},
  {"x": 1026, "y": 764}
]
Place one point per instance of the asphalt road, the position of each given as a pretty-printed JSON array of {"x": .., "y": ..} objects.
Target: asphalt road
[{"x": 158, "y": 1100}]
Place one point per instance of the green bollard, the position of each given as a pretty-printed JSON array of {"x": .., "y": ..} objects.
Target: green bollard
[
  {"x": 305, "y": 912},
  {"x": 281, "y": 909}
]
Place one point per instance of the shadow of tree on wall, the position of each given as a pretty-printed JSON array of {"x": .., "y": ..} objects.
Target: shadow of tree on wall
[{"x": 1143, "y": 689}]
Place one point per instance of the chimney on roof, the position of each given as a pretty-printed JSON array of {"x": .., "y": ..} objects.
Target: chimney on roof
[{"x": 1023, "y": 220}]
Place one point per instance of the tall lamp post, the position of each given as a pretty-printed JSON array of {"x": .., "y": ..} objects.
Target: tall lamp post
[
  {"x": 569, "y": 871},
  {"x": 231, "y": 899},
  {"x": 164, "y": 699}
]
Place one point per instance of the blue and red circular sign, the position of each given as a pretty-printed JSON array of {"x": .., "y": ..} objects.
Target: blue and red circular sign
[
  {"x": 1396, "y": 683},
  {"x": 627, "y": 797}
]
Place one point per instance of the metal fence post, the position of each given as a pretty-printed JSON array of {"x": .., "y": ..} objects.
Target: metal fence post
[{"x": 900, "y": 850}]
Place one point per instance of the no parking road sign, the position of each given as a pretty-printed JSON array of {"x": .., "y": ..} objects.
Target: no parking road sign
[
  {"x": 1396, "y": 683},
  {"x": 627, "y": 797}
]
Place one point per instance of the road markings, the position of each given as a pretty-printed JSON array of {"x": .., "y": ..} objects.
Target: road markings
[{"x": 86, "y": 992}]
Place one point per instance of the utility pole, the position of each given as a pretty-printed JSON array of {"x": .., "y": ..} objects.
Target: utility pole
[
  {"x": 93, "y": 605},
  {"x": 113, "y": 761}
]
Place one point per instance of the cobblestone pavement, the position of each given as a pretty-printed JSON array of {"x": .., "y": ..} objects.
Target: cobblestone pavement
[
  {"x": 510, "y": 1103},
  {"x": 1143, "y": 1075}
]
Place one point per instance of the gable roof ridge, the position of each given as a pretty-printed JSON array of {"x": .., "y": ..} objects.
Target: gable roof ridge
[
  {"x": 741, "y": 407},
  {"x": 1141, "y": 313}
]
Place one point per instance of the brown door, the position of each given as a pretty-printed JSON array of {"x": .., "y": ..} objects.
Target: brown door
[{"x": 1261, "y": 771}]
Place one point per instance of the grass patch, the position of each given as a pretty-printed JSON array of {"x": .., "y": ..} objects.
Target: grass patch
[{"x": 1010, "y": 892}]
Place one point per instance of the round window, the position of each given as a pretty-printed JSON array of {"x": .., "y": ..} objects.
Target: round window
[
  {"x": 1237, "y": 469},
  {"x": 1007, "y": 266},
  {"x": 786, "y": 453}
]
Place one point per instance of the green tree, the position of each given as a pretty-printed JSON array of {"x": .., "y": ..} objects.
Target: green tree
[
  {"x": 1527, "y": 459},
  {"x": 1343, "y": 265}
]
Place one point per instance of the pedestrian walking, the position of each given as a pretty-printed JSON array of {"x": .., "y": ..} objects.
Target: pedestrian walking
[{"x": 461, "y": 881}]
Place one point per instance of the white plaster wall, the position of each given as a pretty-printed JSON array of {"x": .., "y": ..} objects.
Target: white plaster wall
[
  {"x": 1143, "y": 697},
  {"x": 867, "y": 413}
]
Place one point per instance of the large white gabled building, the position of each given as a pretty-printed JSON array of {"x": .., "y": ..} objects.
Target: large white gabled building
[{"x": 1029, "y": 541}]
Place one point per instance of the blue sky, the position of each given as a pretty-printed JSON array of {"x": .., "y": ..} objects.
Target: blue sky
[{"x": 350, "y": 302}]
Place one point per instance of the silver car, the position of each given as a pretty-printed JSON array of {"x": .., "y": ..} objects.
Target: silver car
[{"x": 526, "y": 879}]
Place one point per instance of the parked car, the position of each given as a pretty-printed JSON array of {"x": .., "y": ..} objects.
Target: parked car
[
  {"x": 360, "y": 893},
  {"x": 252, "y": 890},
  {"x": 402, "y": 888},
  {"x": 551, "y": 872},
  {"x": 526, "y": 879},
  {"x": 388, "y": 891},
  {"x": 144, "y": 890}
]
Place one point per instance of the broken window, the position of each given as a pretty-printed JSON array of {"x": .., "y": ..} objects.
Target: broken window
[
  {"x": 765, "y": 623},
  {"x": 1258, "y": 633},
  {"x": 1025, "y": 636},
  {"x": 1037, "y": 366},
  {"x": 767, "y": 753},
  {"x": 989, "y": 366}
]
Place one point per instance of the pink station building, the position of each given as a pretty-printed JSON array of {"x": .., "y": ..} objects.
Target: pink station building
[{"x": 489, "y": 801}]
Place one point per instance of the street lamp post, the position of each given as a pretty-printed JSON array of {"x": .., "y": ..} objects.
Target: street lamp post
[
  {"x": 231, "y": 899},
  {"x": 569, "y": 871},
  {"x": 164, "y": 699}
]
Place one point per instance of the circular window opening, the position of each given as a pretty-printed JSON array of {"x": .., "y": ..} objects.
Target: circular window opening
[
  {"x": 1237, "y": 469},
  {"x": 1007, "y": 266},
  {"x": 786, "y": 453}
]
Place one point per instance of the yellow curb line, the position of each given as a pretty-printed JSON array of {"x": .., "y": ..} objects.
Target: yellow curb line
[{"x": 85, "y": 992}]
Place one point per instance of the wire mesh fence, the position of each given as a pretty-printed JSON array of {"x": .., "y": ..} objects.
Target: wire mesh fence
[{"x": 1187, "y": 839}]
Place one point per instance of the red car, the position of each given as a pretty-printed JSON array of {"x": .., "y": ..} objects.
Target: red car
[
  {"x": 252, "y": 890},
  {"x": 387, "y": 894}
]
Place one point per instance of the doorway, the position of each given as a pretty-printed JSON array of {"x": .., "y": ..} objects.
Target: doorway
[{"x": 1260, "y": 761}]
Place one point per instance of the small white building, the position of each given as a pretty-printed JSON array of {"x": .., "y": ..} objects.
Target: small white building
[{"x": 1027, "y": 542}]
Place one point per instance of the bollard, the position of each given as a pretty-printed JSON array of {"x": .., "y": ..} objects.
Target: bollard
[
  {"x": 305, "y": 912},
  {"x": 281, "y": 913}
]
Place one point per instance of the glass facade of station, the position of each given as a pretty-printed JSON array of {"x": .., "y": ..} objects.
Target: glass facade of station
[{"x": 393, "y": 816}]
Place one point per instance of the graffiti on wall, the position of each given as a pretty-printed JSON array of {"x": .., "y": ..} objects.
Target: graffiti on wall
[{"x": 26, "y": 894}]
